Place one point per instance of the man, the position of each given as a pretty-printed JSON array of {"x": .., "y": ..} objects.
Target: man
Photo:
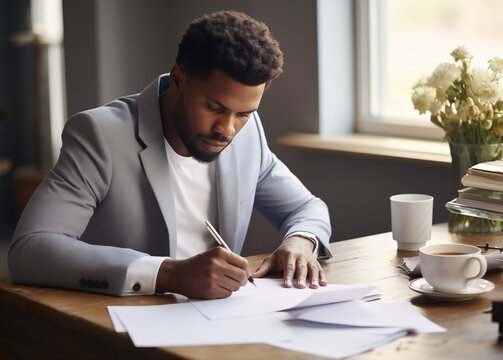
[{"x": 123, "y": 210}]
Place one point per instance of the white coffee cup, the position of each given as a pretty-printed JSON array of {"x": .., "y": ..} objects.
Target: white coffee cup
[
  {"x": 451, "y": 267},
  {"x": 411, "y": 219}
]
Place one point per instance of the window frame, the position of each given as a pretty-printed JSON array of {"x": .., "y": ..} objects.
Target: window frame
[{"x": 364, "y": 122}]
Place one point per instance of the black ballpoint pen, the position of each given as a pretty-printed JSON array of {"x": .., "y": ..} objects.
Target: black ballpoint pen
[{"x": 221, "y": 242}]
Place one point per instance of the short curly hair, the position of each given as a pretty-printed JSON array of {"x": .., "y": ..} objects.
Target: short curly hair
[{"x": 233, "y": 42}]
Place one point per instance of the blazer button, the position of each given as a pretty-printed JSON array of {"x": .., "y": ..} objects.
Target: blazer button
[
  {"x": 136, "y": 287},
  {"x": 104, "y": 284},
  {"x": 83, "y": 282},
  {"x": 97, "y": 284}
]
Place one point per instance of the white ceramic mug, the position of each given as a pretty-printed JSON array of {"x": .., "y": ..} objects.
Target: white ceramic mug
[
  {"x": 411, "y": 219},
  {"x": 451, "y": 267}
]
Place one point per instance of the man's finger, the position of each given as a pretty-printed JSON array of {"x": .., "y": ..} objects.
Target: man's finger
[
  {"x": 263, "y": 269},
  {"x": 323, "y": 279},
  {"x": 288, "y": 275},
  {"x": 237, "y": 260},
  {"x": 314, "y": 275},
  {"x": 236, "y": 274},
  {"x": 230, "y": 284},
  {"x": 301, "y": 274}
]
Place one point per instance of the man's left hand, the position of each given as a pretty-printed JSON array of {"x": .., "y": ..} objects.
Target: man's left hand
[{"x": 295, "y": 258}]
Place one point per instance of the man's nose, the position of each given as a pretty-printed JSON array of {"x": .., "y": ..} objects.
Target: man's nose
[{"x": 225, "y": 125}]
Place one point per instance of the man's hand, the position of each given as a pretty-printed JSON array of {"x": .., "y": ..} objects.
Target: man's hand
[
  {"x": 295, "y": 257},
  {"x": 213, "y": 274}
]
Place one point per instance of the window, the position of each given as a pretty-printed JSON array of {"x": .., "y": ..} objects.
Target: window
[
  {"x": 399, "y": 41},
  {"x": 47, "y": 27}
]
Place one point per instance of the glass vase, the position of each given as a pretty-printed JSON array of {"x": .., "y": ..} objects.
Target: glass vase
[{"x": 463, "y": 157}]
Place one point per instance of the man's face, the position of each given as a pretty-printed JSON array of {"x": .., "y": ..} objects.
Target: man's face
[{"x": 208, "y": 113}]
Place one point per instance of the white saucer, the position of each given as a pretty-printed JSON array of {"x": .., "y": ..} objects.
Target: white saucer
[{"x": 478, "y": 287}]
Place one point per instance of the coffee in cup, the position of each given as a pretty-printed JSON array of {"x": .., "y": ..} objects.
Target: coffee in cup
[{"x": 451, "y": 267}]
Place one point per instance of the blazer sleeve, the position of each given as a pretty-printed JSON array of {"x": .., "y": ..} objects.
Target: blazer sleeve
[
  {"x": 45, "y": 248},
  {"x": 285, "y": 202}
]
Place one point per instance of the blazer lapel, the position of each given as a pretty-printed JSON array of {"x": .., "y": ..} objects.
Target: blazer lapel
[
  {"x": 154, "y": 159},
  {"x": 227, "y": 179}
]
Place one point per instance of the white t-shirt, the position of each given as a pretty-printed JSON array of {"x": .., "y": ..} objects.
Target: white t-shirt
[{"x": 195, "y": 201}]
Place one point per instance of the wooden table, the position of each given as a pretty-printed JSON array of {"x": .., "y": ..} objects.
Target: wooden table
[{"x": 42, "y": 323}]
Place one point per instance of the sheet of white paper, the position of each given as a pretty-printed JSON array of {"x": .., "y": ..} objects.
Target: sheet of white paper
[
  {"x": 270, "y": 295},
  {"x": 333, "y": 341},
  {"x": 374, "y": 294},
  {"x": 118, "y": 326},
  {"x": 374, "y": 314},
  {"x": 183, "y": 325}
]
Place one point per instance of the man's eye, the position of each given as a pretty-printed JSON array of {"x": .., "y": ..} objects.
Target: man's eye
[
  {"x": 212, "y": 107},
  {"x": 243, "y": 115}
]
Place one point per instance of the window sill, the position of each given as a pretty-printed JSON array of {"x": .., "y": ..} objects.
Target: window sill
[{"x": 386, "y": 147}]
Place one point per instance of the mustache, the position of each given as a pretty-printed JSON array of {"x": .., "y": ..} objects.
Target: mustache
[{"x": 218, "y": 138}]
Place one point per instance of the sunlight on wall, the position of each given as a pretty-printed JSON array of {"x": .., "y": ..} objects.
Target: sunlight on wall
[{"x": 47, "y": 23}]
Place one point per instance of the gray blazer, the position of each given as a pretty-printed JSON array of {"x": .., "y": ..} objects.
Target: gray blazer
[{"x": 108, "y": 199}]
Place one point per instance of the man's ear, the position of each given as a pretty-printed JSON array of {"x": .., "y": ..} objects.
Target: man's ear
[{"x": 176, "y": 77}]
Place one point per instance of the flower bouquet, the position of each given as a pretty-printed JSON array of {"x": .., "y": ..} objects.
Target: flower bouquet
[{"x": 468, "y": 105}]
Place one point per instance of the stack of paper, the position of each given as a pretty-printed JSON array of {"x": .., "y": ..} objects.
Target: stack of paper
[
  {"x": 329, "y": 321},
  {"x": 348, "y": 328}
]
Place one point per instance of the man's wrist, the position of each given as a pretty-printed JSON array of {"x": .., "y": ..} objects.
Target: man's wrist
[
  {"x": 166, "y": 277},
  {"x": 308, "y": 236}
]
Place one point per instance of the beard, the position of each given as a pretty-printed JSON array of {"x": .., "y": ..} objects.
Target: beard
[{"x": 191, "y": 140}]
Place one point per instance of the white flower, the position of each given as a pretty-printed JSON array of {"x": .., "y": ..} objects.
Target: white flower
[
  {"x": 461, "y": 53},
  {"x": 467, "y": 104},
  {"x": 486, "y": 124},
  {"x": 423, "y": 81},
  {"x": 442, "y": 77},
  {"x": 463, "y": 111},
  {"x": 483, "y": 87},
  {"x": 474, "y": 110},
  {"x": 424, "y": 99},
  {"x": 496, "y": 65}
]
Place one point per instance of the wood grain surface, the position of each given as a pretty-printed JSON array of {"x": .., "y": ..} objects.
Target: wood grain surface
[{"x": 44, "y": 323}]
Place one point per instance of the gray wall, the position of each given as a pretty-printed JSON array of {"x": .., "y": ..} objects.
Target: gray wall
[
  {"x": 17, "y": 101},
  {"x": 117, "y": 47}
]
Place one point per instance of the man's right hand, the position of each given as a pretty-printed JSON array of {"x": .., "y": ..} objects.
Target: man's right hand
[{"x": 213, "y": 274}]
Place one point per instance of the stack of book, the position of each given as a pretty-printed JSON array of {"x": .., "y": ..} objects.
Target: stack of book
[{"x": 484, "y": 189}]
